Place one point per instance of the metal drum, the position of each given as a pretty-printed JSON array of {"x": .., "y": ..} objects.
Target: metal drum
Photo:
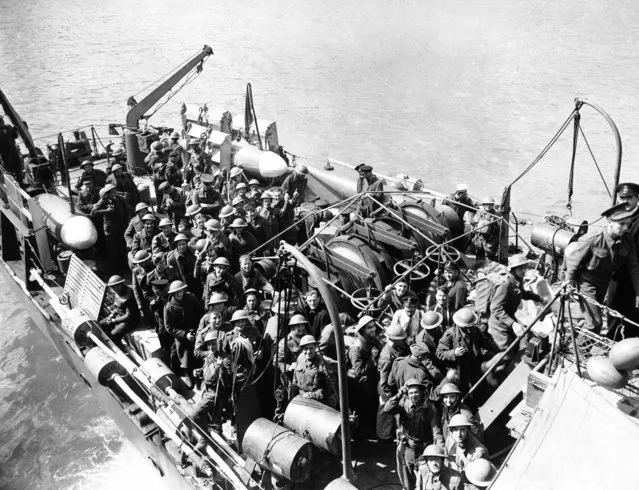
[
  {"x": 267, "y": 267},
  {"x": 161, "y": 374},
  {"x": 278, "y": 449},
  {"x": 319, "y": 423},
  {"x": 102, "y": 366},
  {"x": 78, "y": 326},
  {"x": 551, "y": 238}
]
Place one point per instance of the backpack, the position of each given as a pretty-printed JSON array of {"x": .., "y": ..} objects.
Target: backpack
[{"x": 491, "y": 277}]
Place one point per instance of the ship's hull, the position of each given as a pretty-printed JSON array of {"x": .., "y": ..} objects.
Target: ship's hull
[{"x": 46, "y": 323}]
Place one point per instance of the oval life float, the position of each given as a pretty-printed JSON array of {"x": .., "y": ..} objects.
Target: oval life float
[
  {"x": 602, "y": 372},
  {"x": 624, "y": 355}
]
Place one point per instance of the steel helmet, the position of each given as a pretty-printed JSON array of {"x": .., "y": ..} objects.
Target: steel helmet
[
  {"x": 241, "y": 185},
  {"x": 217, "y": 298},
  {"x": 459, "y": 420},
  {"x": 297, "y": 320},
  {"x": 434, "y": 451},
  {"x": 227, "y": 211},
  {"x": 106, "y": 189},
  {"x": 86, "y": 162},
  {"x": 518, "y": 261},
  {"x": 200, "y": 244},
  {"x": 156, "y": 146},
  {"x": 240, "y": 315},
  {"x": 141, "y": 256},
  {"x": 211, "y": 336},
  {"x": 176, "y": 286},
  {"x": 488, "y": 200},
  {"x": 117, "y": 166},
  {"x": 449, "y": 389},
  {"x": 175, "y": 135},
  {"x": 303, "y": 169},
  {"x": 254, "y": 182},
  {"x": 237, "y": 200},
  {"x": 414, "y": 382},
  {"x": 222, "y": 261},
  {"x": 149, "y": 217},
  {"x": 180, "y": 237},
  {"x": 114, "y": 280},
  {"x": 206, "y": 178},
  {"x": 213, "y": 225},
  {"x": 164, "y": 185},
  {"x": 365, "y": 320},
  {"x": 140, "y": 206},
  {"x": 465, "y": 317},
  {"x": 307, "y": 340},
  {"x": 395, "y": 332},
  {"x": 235, "y": 171},
  {"x": 461, "y": 188},
  {"x": 118, "y": 151},
  {"x": 192, "y": 210},
  {"x": 266, "y": 195},
  {"x": 480, "y": 472},
  {"x": 238, "y": 223},
  {"x": 165, "y": 222},
  {"x": 431, "y": 320}
]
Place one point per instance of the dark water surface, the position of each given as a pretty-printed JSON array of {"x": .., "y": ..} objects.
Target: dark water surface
[{"x": 451, "y": 91}]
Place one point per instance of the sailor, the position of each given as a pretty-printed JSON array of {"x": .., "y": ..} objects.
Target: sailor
[
  {"x": 295, "y": 184},
  {"x": 457, "y": 287},
  {"x": 462, "y": 446},
  {"x": 251, "y": 306},
  {"x": 368, "y": 182},
  {"x": 409, "y": 317},
  {"x": 142, "y": 289},
  {"x": 182, "y": 259},
  {"x": 222, "y": 281},
  {"x": 242, "y": 241},
  {"x": 182, "y": 314},
  {"x": 124, "y": 314},
  {"x": 504, "y": 301},
  {"x": 432, "y": 472},
  {"x": 415, "y": 366},
  {"x": 208, "y": 197},
  {"x": 418, "y": 428},
  {"x": 395, "y": 348},
  {"x": 143, "y": 239},
  {"x": 438, "y": 303},
  {"x": 288, "y": 349},
  {"x": 464, "y": 348},
  {"x": 112, "y": 209},
  {"x": 124, "y": 184},
  {"x": 451, "y": 396},
  {"x": 173, "y": 201},
  {"x": 621, "y": 292},
  {"x": 245, "y": 344},
  {"x": 599, "y": 256},
  {"x": 250, "y": 277},
  {"x": 460, "y": 201},
  {"x": 136, "y": 224},
  {"x": 163, "y": 242},
  {"x": 478, "y": 474},
  {"x": 392, "y": 299},
  {"x": 363, "y": 375},
  {"x": 310, "y": 378},
  {"x": 259, "y": 226},
  {"x": 87, "y": 197},
  {"x": 160, "y": 288},
  {"x": 315, "y": 313},
  {"x": 97, "y": 176},
  {"x": 211, "y": 322}
]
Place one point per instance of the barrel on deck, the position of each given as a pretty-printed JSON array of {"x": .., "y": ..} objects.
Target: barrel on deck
[
  {"x": 75, "y": 231},
  {"x": 278, "y": 449},
  {"x": 319, "y": 423}
]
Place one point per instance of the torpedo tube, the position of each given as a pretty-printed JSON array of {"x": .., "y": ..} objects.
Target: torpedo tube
[{"x": 75, "y": 231}]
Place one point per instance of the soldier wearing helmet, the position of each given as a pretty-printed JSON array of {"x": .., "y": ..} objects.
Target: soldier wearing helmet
[
  {"x": 95, "y": 175},
  {"x": 182, "y": 315},
  {"x": 216, "y": 245},
  {"x": 462, "y": 446},
  {"x": 112, "y": 210},
  {"x": 418, "y": 427},
  {"x": 450, "y": 396},
  {"x": 183, "y": 260},
  {"x": 289, "y": 347},
  {"x": 478, "y": 474},
  {"x": 295, "y": 184},
  {"x": 124, "y": 313},
  {"x": 311, "y": 378},
  {"x": 142, "y": 290},
  {"x": 244, "y": 342},
  {"x": 136, "y": 224},
  {"x": 464, "y": 348},
  {"x": 220, "y": 280},
  {"x": 164, "y": 241},
  {"x": 395, "y": 348},
  {"x": 242, "y": 241},
  {"x": 259, "y": 227},
  {"x": 143, "y": 239},
  {"x": 212, "y": 323},
  {"x": 124, "y": 184},
  {"x": 255, "y": 191},
  {"x": 432, "y": 472}
]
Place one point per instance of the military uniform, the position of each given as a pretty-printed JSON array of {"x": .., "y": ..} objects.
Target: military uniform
[
  {"x": 162, "y": 244},
  {"x": 254, "y": 280},
  {"x": 446, "y": 479},
  {"x": 209, "y": 199},
  {"x": 312, "y": 380},
  {"x": 136, "y": 225},
  {"x": 184, "y": 264},
  {"x": 362, "y": 378},
  {"x": 390, "y": 352},
  {"x": 142, "y": 291},
  {"x": 241, "y": 245},
  {"x": 123, "y": 316},
  {"x": 461, "y": 455},
  {"x": 225, "y": 284},
  {"x": 112, "y": 210},
  {"x": 95, "y": 175},
  {"x": 180, "y": 318},
  {"x": 142, "y": 241}
]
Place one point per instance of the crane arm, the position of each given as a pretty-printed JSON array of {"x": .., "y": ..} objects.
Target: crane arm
[
  {"x": 137, "y": 111},
  {"x": 18, "y": 123}
]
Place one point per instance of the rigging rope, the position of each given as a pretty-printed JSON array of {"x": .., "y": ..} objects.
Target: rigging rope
[
  {"x": 595, "y": 161},
  {"x": 571, "y": 175}
]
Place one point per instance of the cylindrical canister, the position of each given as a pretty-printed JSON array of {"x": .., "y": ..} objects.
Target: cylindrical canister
[
  {"x": 102, "y": 366},
  {"x": 551, "y": 238},
  {"x": 161, "y": 374},
  {"x": 278, "y": 449},
  {"x": 319, "y": 423}
]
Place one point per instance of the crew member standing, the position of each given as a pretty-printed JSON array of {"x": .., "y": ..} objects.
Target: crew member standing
[{"x": 368, "y": 182}]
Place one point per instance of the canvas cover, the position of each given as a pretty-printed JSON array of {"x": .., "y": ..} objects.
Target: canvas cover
[{"x": 577, "y": 439}]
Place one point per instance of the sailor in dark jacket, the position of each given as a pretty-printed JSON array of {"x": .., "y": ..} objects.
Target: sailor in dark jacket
[
  {"x": 124, "y": 314},
  {"x": 181, "y": 318},
  {"x": 368, "y": 182},
  {"x": 591, "y": 266},
  {"x": 112, "y": 209},
  {"x": 136, "y": 224},
  {"x": 464, "y": 348},
  {"x": 95, "y": 175}
]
